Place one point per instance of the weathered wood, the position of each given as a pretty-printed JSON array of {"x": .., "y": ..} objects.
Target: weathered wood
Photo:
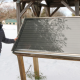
[
  {"x": 54, "y": 11},
  {"x": 51, "y": 55},
  {"x": 36, "y": 9},
  {"x": 53, "y": 3},
  {"x": 48, "y": 11},
  {"x": 66, "y": 5},
  {"x": 18, "y": 16},
  {"x": 24, "y": 10},
  {"x": 23, "y": 5},
  {"x": 40, "y": 4},
  {"x": 77, "y": 8},
  {"x": 33, "y": 8},
  {"x": 36, "y": 67},
  {"x": 21, "y": 67}
]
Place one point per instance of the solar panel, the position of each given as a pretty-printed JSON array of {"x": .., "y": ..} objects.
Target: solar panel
[{"x": 49, "y": 35}]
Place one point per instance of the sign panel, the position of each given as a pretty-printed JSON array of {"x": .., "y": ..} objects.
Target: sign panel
[{"x": 50, "y": 34}]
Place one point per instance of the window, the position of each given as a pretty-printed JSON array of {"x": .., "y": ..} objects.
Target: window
[{"x": 13, "y": 23}]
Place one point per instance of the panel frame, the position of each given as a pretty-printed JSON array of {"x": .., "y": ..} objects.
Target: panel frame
[{"x": 38, "y": 54}]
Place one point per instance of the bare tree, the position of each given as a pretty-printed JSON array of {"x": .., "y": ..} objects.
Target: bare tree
[
  {"x": 2, "y": 14},
  {"x": 10, "y": 12},
  {"x": 58, "y": 13},
  {"x": 1, "y": 1},
  {"x": 6, "y": 11}
]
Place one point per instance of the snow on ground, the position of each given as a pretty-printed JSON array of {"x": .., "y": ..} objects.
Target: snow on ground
[{"x": 52, "y": 69}]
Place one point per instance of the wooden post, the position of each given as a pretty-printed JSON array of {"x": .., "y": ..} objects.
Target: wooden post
[
  {"x": 18, "y": 16},
  {"x": 77, "y": 8},
  {"x": 54, "y": 11},
  {"x": 24, "y": 10},
  {"x": 21, "y": 67},
  {"x": 36, "y": 67},
  {"x": 66, "y": 5},
  {"x": 48, "y": 11},
  {"x": 36, "y": 10},
  {"x": 23, "y": 5}
]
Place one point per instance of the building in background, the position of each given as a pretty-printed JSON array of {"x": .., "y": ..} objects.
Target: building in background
[{"x": 10, "y": 21}]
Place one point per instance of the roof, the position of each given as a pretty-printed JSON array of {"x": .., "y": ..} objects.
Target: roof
[
  {"x": 53, "y": 3},
  {"x": 10, "y": 20}
]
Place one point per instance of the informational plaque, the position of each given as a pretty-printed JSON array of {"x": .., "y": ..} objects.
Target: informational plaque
[{"x": 61, "y": 34}]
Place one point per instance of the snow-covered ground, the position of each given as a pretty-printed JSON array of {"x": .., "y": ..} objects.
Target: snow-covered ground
[{"x": 52, "y": 69}]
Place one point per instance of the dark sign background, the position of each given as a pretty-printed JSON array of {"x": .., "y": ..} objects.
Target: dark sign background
[{"x": 50, "y": 34}]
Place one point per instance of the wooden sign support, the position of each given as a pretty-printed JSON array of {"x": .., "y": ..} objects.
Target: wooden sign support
[
  {"x": 36, "y": 67},
  {"x": 66, "y": 5},
  {"x": 48, "y": 11},
  {"x": 60, "y": 56},
  {"x": 21, "y": 67},
  {"x": 18, "y": 16},
  {"x": 76, "y": 12},
  {"x": 77, "y": 8},
  {"x": 54, "y": 11},
  {"x": 20, "y": 11}
]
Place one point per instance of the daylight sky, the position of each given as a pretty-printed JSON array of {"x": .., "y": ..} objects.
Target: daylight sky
[
  {"x": 9, "y": 0},
  {"x": 66, "y": 11}
]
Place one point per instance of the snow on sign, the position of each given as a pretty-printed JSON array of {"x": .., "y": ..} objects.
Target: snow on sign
[{"x": 60, "y": 34}]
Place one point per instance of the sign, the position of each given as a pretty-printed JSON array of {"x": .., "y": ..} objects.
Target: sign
[{"x": 60, "y": 34}]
